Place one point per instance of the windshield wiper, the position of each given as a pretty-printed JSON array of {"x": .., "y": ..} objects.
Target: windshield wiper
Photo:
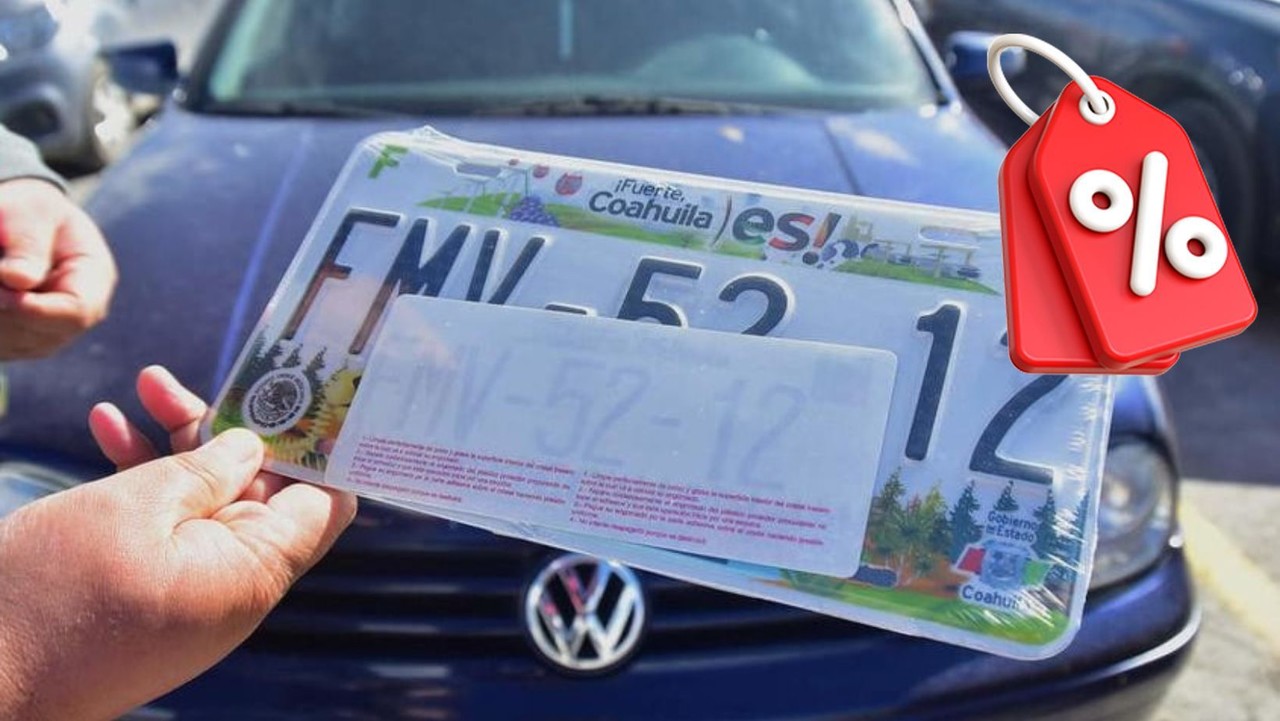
[
  {"x": 598, "y": 105},
  {"x": 622, "y": 105},
  {"x": 298, "y": 108}
]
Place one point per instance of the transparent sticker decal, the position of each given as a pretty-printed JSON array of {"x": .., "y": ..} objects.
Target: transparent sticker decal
[
  {"x": 424, "y": 214},
  {"x": 674, "y": 437}
]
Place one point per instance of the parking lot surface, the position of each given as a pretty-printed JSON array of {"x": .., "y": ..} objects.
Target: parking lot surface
[{"x": 1225, "y": 401}]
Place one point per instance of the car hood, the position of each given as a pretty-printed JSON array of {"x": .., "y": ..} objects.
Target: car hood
[{"x": 206, "y": 213}]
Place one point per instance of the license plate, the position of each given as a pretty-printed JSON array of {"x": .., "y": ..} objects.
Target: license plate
[{"x": 978, "y": 528}]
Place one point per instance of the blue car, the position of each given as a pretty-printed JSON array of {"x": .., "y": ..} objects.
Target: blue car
[{"x": 416, "y": 618}]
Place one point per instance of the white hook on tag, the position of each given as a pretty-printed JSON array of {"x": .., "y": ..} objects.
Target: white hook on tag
[{"x": 1096, "y": 106}]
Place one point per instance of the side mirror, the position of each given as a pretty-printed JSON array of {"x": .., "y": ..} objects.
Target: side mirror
[
  {"x": 966, "y": 56},
  {"x": 147, "y": 69}
]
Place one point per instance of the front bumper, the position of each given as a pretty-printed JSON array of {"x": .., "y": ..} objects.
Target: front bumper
[
  {"x": 43, "y": 94},
  {"x": 1133, "y": 641}
]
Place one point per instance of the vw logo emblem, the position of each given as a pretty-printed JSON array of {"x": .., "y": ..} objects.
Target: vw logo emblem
[{"x": 585, "y": 615}]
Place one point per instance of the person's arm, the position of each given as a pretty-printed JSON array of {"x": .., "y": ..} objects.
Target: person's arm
[
  {"x": 57, "y": 275},
  {"x": 120, "y": 590}
]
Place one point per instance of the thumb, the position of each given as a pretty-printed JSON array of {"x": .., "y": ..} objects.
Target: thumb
[
  {"x": 316, "y": 515},
  {"x": 26, "y": 240},
  {"x": 199, "y": 483}
]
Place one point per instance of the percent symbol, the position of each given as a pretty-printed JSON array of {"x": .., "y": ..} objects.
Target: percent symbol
[{"x": 1146, "y": 241}]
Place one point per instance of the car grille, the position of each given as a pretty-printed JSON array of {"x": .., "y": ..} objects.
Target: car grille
[{"x": 458, "y": 601}]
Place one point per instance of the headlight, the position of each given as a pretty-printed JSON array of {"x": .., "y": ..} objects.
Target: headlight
[
  {"x": 28, "y": 30},
  {"x": 1135, "y": 514},
  {"x": 23, "y": 483}
]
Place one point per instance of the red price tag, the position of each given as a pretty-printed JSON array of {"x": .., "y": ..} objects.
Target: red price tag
[
  {"x": 1116, "y": 258},
  {"x": 1045, "y": 334},
  {"x": 1141, "y": 243}
]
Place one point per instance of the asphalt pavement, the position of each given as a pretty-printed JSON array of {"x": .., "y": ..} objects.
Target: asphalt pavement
[{"x": 1225, "y": 402}]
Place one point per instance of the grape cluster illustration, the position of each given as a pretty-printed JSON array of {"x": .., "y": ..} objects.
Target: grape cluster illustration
[{"x": 531, "y": 210}]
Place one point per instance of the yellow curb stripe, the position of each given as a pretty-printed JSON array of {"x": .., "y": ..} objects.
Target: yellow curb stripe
[{"x": 1240, "y": 584}]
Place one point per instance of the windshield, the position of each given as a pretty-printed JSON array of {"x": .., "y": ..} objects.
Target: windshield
[{"x": 468, "y": 56}]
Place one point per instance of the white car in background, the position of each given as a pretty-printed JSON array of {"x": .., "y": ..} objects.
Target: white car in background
[{"x": 56, "y": 88}]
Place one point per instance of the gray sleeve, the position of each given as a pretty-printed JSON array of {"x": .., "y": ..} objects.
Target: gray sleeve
[{"x": 19, "y": 158}]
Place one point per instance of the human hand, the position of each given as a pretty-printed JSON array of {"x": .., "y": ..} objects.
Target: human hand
[
  {"x": 56, "y": 273},
  {"x": 120, "y": 590}
]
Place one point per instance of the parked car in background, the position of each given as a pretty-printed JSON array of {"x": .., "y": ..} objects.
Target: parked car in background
[
  {"x": 55, "y": 87},
  {"x": 129, "y": 22},
  {"x": 411, "y": 617},
  {"x": 1210, "y": 64}
]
